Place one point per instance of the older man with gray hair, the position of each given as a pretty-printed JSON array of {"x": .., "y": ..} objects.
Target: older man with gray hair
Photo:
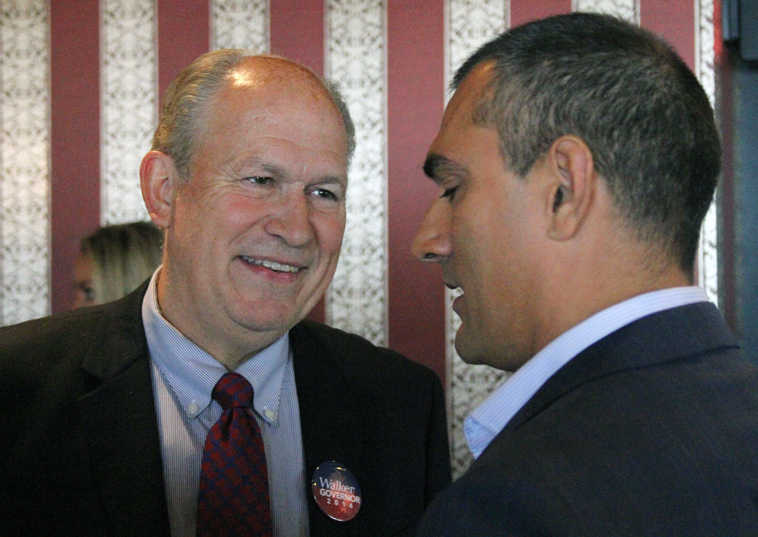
[{"x": 204, "y": 403}]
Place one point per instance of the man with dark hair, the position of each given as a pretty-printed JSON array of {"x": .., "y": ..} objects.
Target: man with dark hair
[
  {"x": 203, "y": 403},
  {"x": 576, "y": 161}
]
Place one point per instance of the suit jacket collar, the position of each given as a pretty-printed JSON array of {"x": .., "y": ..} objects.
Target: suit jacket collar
[
  {"x": 120, "y": 327},
  {"x": 119, "y": 422},
  {"x": 661, "y": 337},
  {"x": 329, "y": 432}
]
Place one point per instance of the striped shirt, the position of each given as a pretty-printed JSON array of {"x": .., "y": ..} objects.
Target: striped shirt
[{"x": 183, "y": 379}]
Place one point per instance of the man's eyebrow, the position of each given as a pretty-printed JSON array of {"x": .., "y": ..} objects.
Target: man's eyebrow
[
  {"x": 436, "y": 167},
  {"x": 277, "y": 171},
  {"x": 273, "y": 169}
]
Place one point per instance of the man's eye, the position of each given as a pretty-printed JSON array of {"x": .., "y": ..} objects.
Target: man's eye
[
  {"x": 449, "y": 193},
  {"x": 259, "y": 180},
  {"x": 87, "y": 291},
  {"x": 325, "y": 194}
]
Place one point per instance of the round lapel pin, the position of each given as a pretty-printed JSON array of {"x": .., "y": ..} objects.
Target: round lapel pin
[{"x": 336, "y": 491}]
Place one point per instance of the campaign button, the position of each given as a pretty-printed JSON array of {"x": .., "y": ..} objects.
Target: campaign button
[{"x": 336, "y": 491}]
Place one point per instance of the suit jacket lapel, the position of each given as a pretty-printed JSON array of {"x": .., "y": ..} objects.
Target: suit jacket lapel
[
  {"x": 330, "y": 428},
  {"x": 119, "y": 422},
  {"x": 661, "y": 337}
]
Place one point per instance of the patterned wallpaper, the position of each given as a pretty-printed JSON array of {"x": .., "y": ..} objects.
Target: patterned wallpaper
[
  {"x": 355, "y": 58},
  {"x": 24, "y": 166}
]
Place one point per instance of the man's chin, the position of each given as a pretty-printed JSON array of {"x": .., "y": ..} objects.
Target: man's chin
[
  {"x": 466, "y": 350},
  {"x": 255, "y": 320},
  {"x": 473, "y": 352}
]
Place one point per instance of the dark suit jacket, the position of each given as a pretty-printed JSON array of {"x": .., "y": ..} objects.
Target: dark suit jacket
[
  {"x": 80, "y": 447},
  {"x": 651, "y": 431}
]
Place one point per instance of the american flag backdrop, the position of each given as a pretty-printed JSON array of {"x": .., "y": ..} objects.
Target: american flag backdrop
[{"x": 81, "y": 81}]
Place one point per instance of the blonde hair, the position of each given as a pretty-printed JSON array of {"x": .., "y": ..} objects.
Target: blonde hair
[{"x": 123, "y": 256}]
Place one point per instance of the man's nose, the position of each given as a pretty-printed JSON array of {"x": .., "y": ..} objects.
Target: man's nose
[
  {"x": 291, "y": 219},
  {"x": 432, "y": 240}
]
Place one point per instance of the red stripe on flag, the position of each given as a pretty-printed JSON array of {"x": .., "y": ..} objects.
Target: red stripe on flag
[
  {"x": 523, "y": 11},
  {"x": 75, "y": 138},
  {"x": 415, "y": 77},
  {"x": 297, "y": 33},
  {"x": 183, "y": 35},
  {"x": 675, "y": 22}
]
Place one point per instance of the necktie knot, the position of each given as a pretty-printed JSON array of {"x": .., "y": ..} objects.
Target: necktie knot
[
  {"x": 233, "y": 494},
  {"x": 233, "y": 391}
]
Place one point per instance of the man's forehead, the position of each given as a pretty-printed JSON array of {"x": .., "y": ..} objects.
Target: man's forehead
[
  {"x": 251, "y": 92},
  {"x": 271, "y": 97},
  {"x": 470, "y": 92},
  {"x": 274, "y": 72},
  {"x": 273, "y": 93},
  {"x": 276, "y": 160}
]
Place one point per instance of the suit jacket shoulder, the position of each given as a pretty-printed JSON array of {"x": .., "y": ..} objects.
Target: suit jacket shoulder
[
  {"x": 68, "y": 354},
  {"x": 82, "y": 451},
  {"x": 84, "y": 442},
  {"x": 379, "y": 414},
  {"x": 643, "y": 433},
  {"x": 374, "y": 368}
]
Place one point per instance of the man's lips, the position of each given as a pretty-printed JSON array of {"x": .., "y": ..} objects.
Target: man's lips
[
  {"x": 276, "y": 266},
  {"x": 450, "y": 283},
  {"x": 456, "y": 304},
  {"x": 454, "y": 286}
]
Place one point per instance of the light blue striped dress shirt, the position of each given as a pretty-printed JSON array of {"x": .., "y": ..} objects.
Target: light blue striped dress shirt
[
  {"x": 183, "y": 379},
  {"x": 491, "y": 417}
]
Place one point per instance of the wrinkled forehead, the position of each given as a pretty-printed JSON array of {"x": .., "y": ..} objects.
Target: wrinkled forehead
[
  {"x": 267, "y": 86},
  {"x": 275, "y": 91},
  {"x": 279, "y": 120}
]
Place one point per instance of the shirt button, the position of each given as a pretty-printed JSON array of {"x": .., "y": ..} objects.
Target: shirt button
[
  {"x": 193, "y": 408},
  {"x": 270, "y": 414}
]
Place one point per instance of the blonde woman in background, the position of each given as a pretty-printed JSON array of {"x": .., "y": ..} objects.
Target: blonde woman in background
[{"x": 114, "y": 260}]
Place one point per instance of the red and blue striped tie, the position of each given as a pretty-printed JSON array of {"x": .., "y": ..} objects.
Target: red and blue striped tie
[{"x": 233, "y": 496}]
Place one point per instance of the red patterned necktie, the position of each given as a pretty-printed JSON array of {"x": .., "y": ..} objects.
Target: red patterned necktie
[{"x": 233, "y": 496}]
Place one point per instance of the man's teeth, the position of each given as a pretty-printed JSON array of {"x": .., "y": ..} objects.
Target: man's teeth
[{"x": 273, "y": 265}]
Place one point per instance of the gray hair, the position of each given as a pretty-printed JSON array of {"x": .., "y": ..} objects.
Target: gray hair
[
  {"x": 632, "y": 100},
  {"x": 189, "y": 93}
]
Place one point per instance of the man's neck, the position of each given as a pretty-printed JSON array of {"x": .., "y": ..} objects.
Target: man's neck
[
  {"x": 585, "y": 293},
  {"x": 230, "y": 350}
]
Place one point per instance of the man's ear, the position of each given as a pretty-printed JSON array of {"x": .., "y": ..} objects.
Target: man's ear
[
  {"x": 571, "y": 190},
  {"x": 159, "y": 181}
]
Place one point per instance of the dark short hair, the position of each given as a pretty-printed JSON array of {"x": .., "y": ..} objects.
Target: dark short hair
[
  {"x": 633, "y": 101},
  {"x": 189, "y": 93}
]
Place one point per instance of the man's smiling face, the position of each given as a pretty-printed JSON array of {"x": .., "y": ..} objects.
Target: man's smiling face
[{"x": 256, "y": 230}]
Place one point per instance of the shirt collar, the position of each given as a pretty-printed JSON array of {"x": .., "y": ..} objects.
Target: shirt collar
[
  {"x": 491, "y": 417},
  {"x": 191, "y": 373}
]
